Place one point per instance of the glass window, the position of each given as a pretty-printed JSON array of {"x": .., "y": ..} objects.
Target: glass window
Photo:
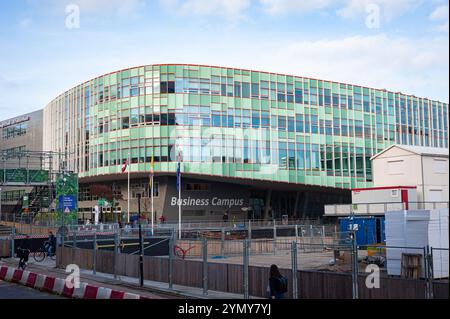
[
  {"x": 125, "y": 122},
  {"x": 291, "y": 124},
  {"x": 299, "y": 96},
  {"x": 255, "y": 119},
  {"x": 171, "y": 87},
  {"x": 255, "y": 90},
  {"x": 281, "y": 123},
  {"x": 134, "y": 116},
  {"x": 246, "y": 90},
  {"x": 237, "y": 89}
]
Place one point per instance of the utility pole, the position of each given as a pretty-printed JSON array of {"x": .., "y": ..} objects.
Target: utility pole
[
  {"x": 114, "y": 208},
  {"x": 141, "y": 248}
]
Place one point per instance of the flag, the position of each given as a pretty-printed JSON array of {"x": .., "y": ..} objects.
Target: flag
[
  {"x": 152, "y": 165},
  {"x": 152, "y": 170},
  {"x": 124, "y": 166},
  {"x": 179, "y": 172}
]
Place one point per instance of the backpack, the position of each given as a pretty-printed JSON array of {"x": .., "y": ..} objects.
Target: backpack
[{"x": 282, "y": 285}]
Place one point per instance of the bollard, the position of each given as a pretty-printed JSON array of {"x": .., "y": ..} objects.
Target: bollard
[
  {"x": 246, "y": 262},
  {"x": 94, "y": 255},
  {"x": 171, "y": 246},
  {"x": 205, "y": 266},
  {"x": 294, "y": 270},
  {"x": 222, "y": 243}
]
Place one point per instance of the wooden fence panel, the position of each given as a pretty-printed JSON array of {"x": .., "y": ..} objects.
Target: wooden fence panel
[
  {"x": 121, "y": 264},
  {"x": 235, "y": 279},
  {"x": 132, "y": 266},
  {"x": 440, "y": 290},
  {"x": 392, "y": 288},
  {"x": 258, "y": 280},
  {"x": 217, "y": 277},
  {"x": 229, "y": 277},
  {"x": 154, "y": 269},
  {"x": 105, "y": 261},
  {"x": 5, "y": 248},
  {"x": 187, "y": 273},
  {"x": 322, "y": 285}
]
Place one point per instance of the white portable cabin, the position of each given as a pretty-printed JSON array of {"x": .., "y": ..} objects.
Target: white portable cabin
[{"x": 381, "y": 199}]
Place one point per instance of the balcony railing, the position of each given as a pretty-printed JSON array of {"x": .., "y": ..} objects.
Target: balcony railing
[{"x": 368, "y": 209}]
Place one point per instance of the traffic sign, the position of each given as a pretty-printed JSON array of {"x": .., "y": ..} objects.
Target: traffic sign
[{"x": 67, "y": 202}]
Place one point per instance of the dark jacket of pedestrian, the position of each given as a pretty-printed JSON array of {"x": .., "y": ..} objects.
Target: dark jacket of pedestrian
[
  {"x": 277, "y": 284},
  {"x": 225, "y": 217}
]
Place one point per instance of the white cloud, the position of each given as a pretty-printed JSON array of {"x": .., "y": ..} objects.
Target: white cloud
[
  {"x": 441, "y": 15},
  {"x": 344, "y": 8},
  {"x": 118, "y": 7},
  {"x": 229, "y": 8},
  {"x": 25, "y": 23},
  {"x": 389, "y": 9},
  {"x": 413, "y": 66},
  {"x": 296, "y": 6}
]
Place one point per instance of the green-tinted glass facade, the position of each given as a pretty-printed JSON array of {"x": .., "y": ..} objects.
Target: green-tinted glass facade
[{"x": 236, "y": 123}]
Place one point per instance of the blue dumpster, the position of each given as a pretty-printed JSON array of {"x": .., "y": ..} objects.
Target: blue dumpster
[{"x": 370, "y": 229}]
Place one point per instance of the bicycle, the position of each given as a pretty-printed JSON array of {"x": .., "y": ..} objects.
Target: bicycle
[
  {"x": 41, "y": 254},
  {"x": 23, "y": 258}
]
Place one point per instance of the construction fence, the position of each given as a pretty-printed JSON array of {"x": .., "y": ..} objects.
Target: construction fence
[{"x": 319, "y": 267}]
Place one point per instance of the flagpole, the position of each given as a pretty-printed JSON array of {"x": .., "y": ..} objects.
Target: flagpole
[
  {"x": 129, "y": 195},
  {"x": 179, "y": 207},
  {"x": 153, "y": 212},
  {"x": 179, "y": 196}
]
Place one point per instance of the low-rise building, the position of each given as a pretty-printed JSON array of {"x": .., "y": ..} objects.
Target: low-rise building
[{"x": 423, "y": 167}]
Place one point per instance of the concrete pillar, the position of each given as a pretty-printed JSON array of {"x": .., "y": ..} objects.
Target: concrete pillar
[
  {"x": 297, "y": 200},
  {"x": 305, "y": 204},
  {"x": 267, "y": 204}
]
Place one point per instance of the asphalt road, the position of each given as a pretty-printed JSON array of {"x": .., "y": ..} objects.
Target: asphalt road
[{"x": 14, "y": 291}]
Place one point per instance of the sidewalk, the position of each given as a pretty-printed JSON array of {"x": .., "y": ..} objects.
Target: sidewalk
[
  {"x": 151, "y": 289},
  {"x": 48, "y": 269}
]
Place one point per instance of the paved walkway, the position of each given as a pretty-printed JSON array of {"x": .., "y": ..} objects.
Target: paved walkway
[
  {"x": 48, "y": 268},
  {"x": 151, "y": 289}
]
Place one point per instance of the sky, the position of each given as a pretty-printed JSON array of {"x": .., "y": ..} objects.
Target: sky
[{"x": 50, "y": 46}]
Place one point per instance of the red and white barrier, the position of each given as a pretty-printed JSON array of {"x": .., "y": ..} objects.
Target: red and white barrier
[{"x": 58, "y": 286}]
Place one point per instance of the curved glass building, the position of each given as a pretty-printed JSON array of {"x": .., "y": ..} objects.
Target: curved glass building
[{"x": 250, "y": 142}]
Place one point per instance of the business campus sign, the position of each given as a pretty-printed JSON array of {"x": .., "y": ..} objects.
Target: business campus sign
[{"x": 215, "y": 201}]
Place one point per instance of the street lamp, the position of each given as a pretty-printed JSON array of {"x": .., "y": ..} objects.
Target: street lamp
[{"x": 141, "y": 244}]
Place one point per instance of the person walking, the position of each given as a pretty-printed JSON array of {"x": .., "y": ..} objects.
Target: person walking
[
  {"x": 50, "y": 244},
  {"x": 225, "y": 217},
  {"x": 277, "y": 284}
]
